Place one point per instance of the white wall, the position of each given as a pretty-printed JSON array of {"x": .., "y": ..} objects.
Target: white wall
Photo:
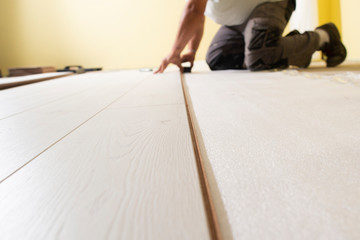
[{"x": 306, "y": 16}]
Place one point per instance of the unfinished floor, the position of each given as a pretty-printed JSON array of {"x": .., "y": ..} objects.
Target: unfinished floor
[{"x": 114, "y": 155}]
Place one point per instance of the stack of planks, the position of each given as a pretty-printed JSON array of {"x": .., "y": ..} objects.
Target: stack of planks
[
  {"x": 10, "y": 82},
  {"x": 17, "y": 72}
]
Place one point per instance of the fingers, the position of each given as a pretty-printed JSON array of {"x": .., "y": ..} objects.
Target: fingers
[
  {"x": 188, "y": 58},
  {"x": 184, "y": 58},
  {"x": 159, "y": 70},
  {"x": 162, "y": 67},
  {"x": 175, "y": 60}
]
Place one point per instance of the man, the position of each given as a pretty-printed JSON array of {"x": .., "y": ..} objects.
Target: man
[{"x": 251, "y": 36}]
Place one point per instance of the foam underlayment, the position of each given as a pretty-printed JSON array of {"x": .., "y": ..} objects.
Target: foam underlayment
[{"x": 282, "y": 150}]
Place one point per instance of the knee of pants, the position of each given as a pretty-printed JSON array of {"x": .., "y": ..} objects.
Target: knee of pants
[
  {"x": 212, "y": 59},
  {"x": 222, "y": 62},
  {"x": 215, "y": 61},
  {"x": 263, "y": 48},
  {"x": 223, "y": 59}
]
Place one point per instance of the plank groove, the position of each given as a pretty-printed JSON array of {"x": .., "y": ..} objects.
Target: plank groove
[{"x": 212, "y": 218}]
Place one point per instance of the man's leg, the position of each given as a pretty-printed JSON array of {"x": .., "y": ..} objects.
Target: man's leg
[
  {"x": 265, "y": 48},
  {"x": 226, "y": 50}
]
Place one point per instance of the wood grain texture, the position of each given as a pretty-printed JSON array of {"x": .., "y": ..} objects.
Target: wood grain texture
[
  {"x": 23, "y": 80},
  {"x": 27, "y": 134},
  {"x": 18, "y": 100},
  {"x": 282, "y": 150},
  {"x": 125, "y": 173},
  {"x": 162, "y": 92}
]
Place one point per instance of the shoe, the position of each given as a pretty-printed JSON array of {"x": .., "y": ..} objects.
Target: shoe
[{"x": 333, "y": 52}]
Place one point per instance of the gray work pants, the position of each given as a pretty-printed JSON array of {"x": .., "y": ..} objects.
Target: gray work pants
[{"x": 257, "y": 44}]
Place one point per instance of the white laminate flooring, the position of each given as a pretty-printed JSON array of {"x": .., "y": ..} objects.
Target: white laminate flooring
[
  {"x": 52, "y": 116},
  {"x": 99, "y": 156},
  {"x": 282, "y": 151}
]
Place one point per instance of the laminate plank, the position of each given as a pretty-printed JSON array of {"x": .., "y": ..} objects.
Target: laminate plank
[
  {"x": 23, "y": 80},
  {"x": 154, "y": 91},
  {"x": 126, "y": 173},
  {"x": 18, "y": 100},
  {"x": 28, "y": 134},
  {"x": 282, "y": 152}
]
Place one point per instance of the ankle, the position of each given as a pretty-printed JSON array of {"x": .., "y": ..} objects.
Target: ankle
[{"x": 324, "y": 37}]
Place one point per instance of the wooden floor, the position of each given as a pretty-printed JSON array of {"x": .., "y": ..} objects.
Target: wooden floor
[
  {"x": 111, "y": 155},
  {"x": 99, "y": 156}
]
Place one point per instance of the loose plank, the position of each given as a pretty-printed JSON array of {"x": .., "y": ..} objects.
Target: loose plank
[{"x": 282, "y": 153}]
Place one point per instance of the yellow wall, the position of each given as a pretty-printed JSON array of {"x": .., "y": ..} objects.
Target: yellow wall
[
  {"x": 345, "y": 14},
  {"x": 113, "y": 33},
  {"x": 329, "y": 11},
  {"x": 351, "y": 23},
  {"x": 117, "y": 33}
]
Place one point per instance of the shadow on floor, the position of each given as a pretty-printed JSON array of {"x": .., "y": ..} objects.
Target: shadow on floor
[{"x": 350, "y": 66}]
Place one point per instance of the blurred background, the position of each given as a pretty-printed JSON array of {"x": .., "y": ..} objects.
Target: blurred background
[{"x": 119, "y": 34}]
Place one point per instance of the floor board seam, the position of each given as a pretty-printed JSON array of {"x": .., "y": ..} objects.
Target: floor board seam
[
  {"x": 73, "y": 130},
  {"x": 213, "y": 222},
  {"x": 155, "y": 105},
  {"x": 42, "y": 105}
]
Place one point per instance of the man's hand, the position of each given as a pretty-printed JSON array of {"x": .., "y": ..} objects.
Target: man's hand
[
  {"x": 174, "y": 59},
  {"x": 190, "y": 32},
  {"x": 188, "y": 57},
  {"x": 177, "y": 60}
]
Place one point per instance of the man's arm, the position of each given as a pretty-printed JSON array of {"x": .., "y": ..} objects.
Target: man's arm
[
  {"x": 190, "y": 29},
  {"x": 193, "y": 45}
]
